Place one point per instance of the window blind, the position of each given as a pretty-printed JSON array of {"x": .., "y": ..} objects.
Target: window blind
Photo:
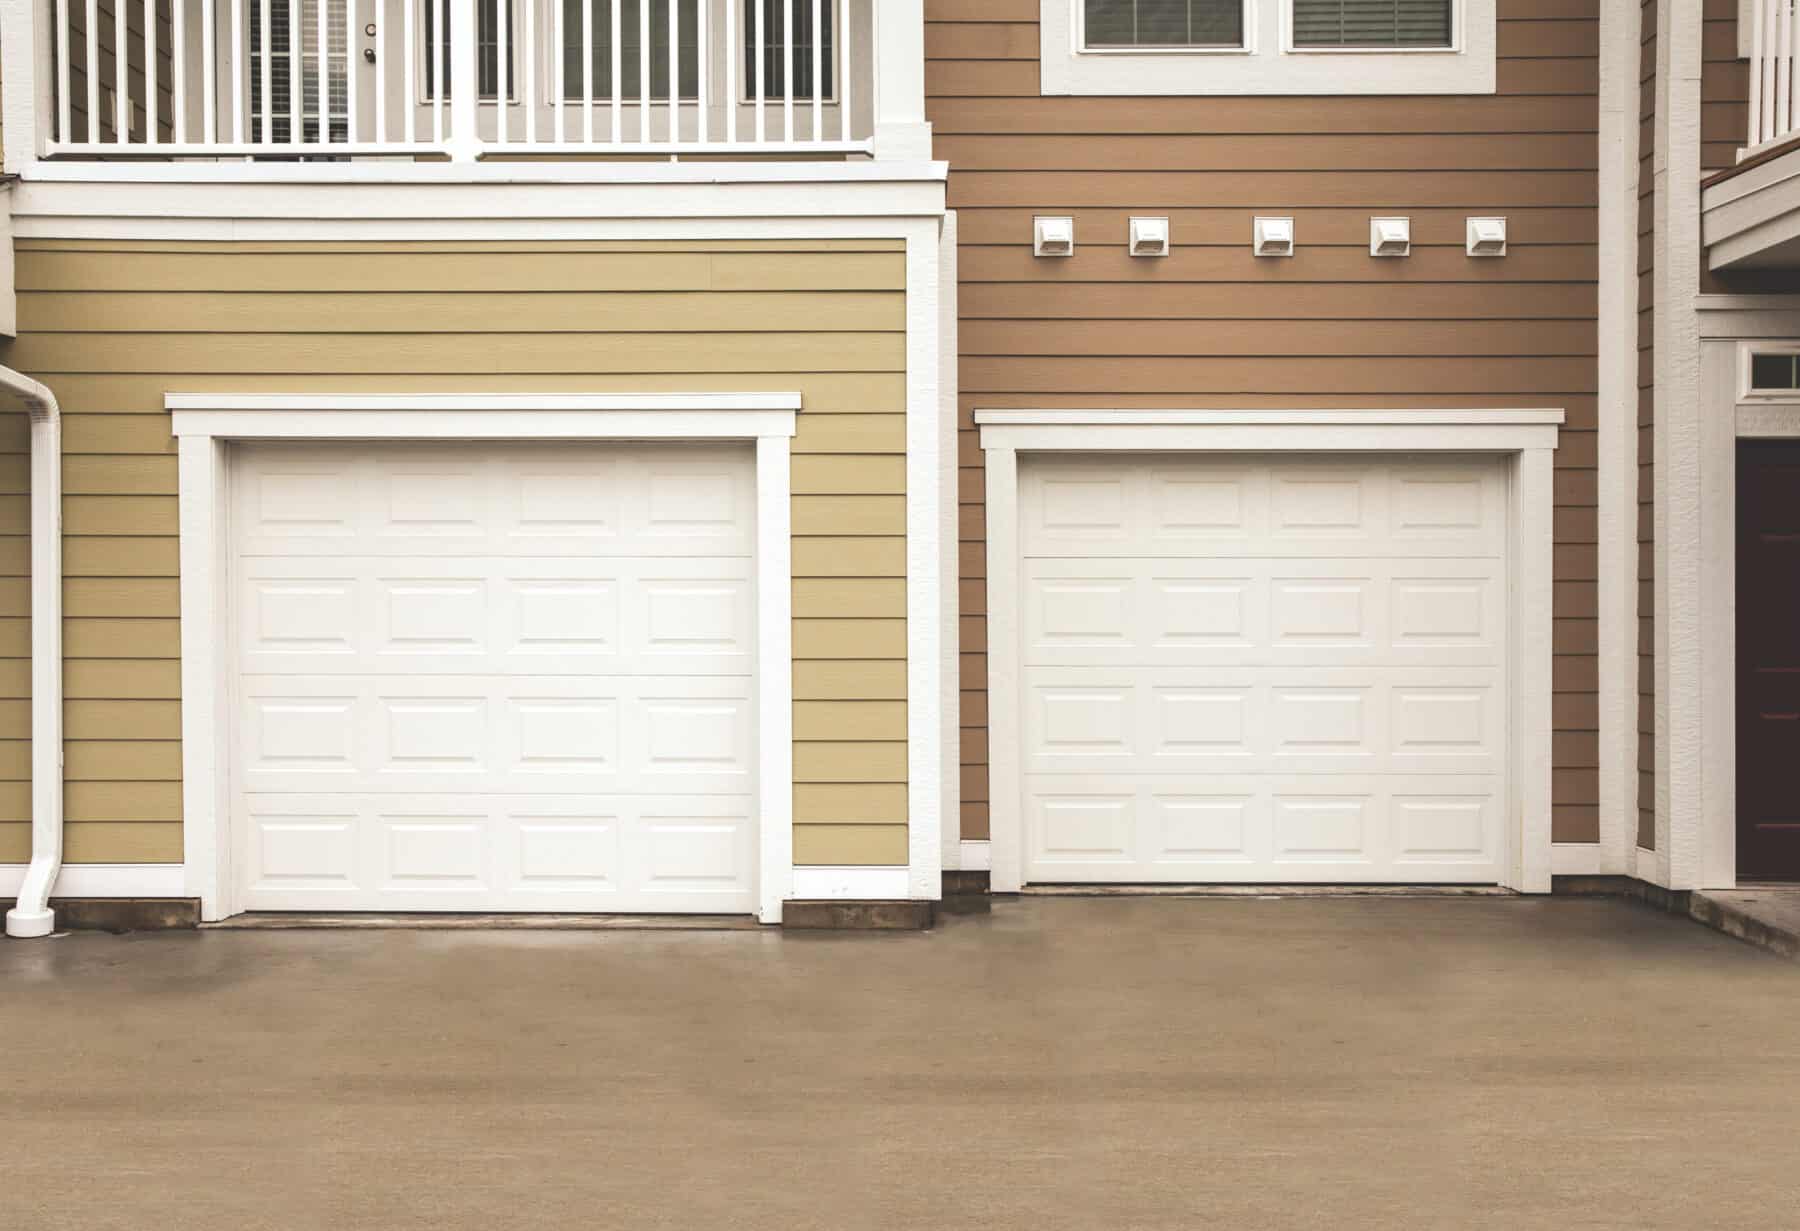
[
  {"x": 283, "y": 65},
  {"x": 1372, "y": 23},
  {"x": 1165, "y": 23}
]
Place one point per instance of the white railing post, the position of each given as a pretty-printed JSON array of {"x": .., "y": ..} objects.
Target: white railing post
[
  {"x": 464, "y": 144},
  {"x": 901, "y": 131},
  {"x": 25, "y": 77}
]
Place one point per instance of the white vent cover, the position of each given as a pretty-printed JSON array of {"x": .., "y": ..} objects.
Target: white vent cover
[
  {"x": 1487, "y": 237},
  {"x": 1273, "y": 237},
  {"x": 1390, "y": 237},
  {"x": 1053, "y": 236},
  {"x": 1149, "y": 237}
]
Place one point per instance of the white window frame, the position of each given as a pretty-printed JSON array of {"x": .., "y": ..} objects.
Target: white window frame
[
  {"x": 1697, "y": 587},
  {"x": 1248, "y": 47},
  {"x": 1526, "y": 438},
  {"x": 1268, "y": 63},
  {"x": 206, "y": 425},
  {"x": 1747, "y": 353}
]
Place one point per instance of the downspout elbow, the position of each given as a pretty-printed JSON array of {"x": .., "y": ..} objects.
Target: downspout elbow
[{"x": 31, "y": 915}]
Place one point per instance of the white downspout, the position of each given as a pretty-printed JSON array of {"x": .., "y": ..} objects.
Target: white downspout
[{"x": 32, "y": 915}]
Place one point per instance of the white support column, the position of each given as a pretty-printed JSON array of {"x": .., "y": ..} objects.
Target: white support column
[
  {"x": 26, "y": 57},
  {"x": 901, "y": 131},
  {"x": 465, "y": 83}
]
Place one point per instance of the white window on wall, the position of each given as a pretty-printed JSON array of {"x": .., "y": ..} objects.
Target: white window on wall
[
  {"x": 1125, "y": 25},
  {"x": 1169, "y": 47},
  {"x": 1373, "y": 23}
]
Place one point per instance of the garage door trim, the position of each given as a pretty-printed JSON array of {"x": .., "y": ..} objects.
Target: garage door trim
[
  {"x": 1526, "y": 438},
  {"x": 206, "y": 425}
]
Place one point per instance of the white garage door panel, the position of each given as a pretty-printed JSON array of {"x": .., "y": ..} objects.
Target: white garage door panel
[
  {"x": 1224, "y": 508},
  {"x": 435, "y": 733},
  {"x": 1246, "y": 720},
  {"x": 497, "y": 615},
  {"x": 494, "y": 677},
  {"x": 465, "y": 852},
  {"x": 1203, "y": 612},
  {"x": 456, "y": 500},
  {"x": 1250, "y": 828},
  {"x": 1263, "y": 669}
]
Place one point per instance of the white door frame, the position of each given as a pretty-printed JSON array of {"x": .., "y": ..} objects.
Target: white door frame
[
  {"x": 1697, "y": 849},
  {"x": 1527, "y": 437},
  {"x": 205, "y": 424}
]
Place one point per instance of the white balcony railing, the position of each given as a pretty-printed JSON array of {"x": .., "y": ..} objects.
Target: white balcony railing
[
  {"x": 293, "y": 79},
  {"x": 1774, "y": 90}
]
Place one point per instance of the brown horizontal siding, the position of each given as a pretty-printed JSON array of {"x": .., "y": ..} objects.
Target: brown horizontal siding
[
  {"x": 1213, "y": 326},
  {"x": 1724, "y": 88},
  {"x": 113, "y": 327}
]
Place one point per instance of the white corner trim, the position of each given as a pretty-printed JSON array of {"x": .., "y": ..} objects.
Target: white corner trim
[
  {"x": 860, "y": 884},
  {"x": 1528, "y": 437},
  {"x": 1617, "y": 421},
  {"x": 976, "y": 855},
  {"x": 1678, "y": 447},
  {"x": 949, "y": 519},
  {"x": 926, "y": 491},
  {"x": 104, "y": 880},
  {"x": 207, "y": 428},
  {"x": 1577, "y": 859},
  {"x": 1268, "y": 62}
]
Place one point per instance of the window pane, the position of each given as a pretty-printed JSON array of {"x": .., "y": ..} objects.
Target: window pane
[
  {"x": 1372, "y": 23},
  {"x": 284, "y": 66},
  {"x": 764, "y": 29},
  {"x": 487, "y": 56},
  {"x": 1164, "y": 23},
  {"x": 1775, "y": 371},
  {"x": 631, "y": 22},
  {"x": 1111, "y": 23}
]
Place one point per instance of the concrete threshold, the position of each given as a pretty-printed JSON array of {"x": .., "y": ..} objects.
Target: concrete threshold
[
  {"x": 1764, "y": 915},
  {"x": 1267, "y": 891},
  {"x": 273, "y": 921},
  {"x": 1767, "y": 916}
]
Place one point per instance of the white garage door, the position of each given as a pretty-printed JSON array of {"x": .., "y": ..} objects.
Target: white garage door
[
  {"x": 1263, "y": 669},
  {"x": 494, "y": 678}
]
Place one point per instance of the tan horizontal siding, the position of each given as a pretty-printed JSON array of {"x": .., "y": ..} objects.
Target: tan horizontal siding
[
  {"x": 1213, "y": 326},
  {"x": 113, "y": 327}
]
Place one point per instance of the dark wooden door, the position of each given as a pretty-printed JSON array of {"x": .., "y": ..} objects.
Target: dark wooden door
[{"x": 1768, "y": 660}]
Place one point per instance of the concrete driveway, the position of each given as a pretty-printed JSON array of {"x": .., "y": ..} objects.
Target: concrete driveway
[{"x": 1065, "y": 1063}]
